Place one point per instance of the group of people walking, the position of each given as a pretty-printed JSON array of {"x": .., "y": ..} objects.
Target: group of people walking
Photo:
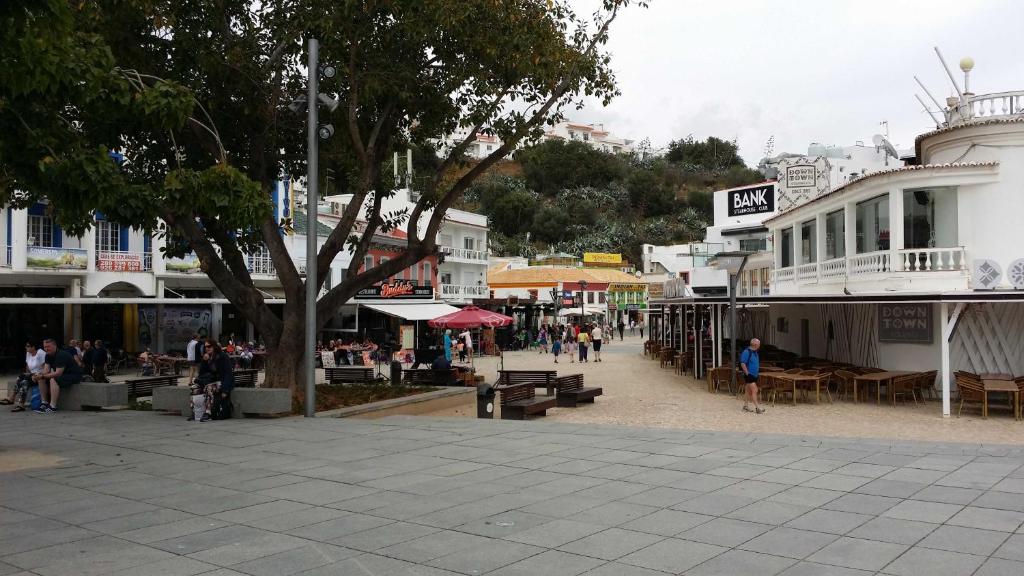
[{"x": 573, "y": 340}]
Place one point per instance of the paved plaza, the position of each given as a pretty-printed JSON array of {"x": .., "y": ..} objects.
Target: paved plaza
[{"x": 138, "y": 493}]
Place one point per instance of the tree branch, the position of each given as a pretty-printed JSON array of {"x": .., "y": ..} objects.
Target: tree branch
[
  {"x": 283, "y": 264},
  {"x": 328, "y": 305}
]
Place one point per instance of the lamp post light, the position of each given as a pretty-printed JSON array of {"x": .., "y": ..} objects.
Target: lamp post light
[
  {"x": 733, "y": 263},
  {"x": 555, "y": 293},
  {"x": 583, "y": 294}
]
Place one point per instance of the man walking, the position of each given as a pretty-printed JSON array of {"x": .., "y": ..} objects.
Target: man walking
[
  {"x": 750, "y": 363},
  {"x": 193, "y": 357},
  {"x": 622, "y": 330},
  {"x": 597, "y": 335}
]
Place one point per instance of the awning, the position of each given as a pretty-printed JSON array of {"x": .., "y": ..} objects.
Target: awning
[
  {"x": 575, "y": 311},
  {"x": 743, "y": 230},
  {"x": 418, "y": 311}
]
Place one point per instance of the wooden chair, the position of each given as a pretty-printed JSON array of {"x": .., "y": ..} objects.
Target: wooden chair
[
  {"x": 970, "y": 391},
  {"x": 719, "y": 377},
  {"x": 871, "y": 370},
  {"x": 904, "y": 385},
  {"x": 844, "y": 381},
  {"x": 925, "y": 384}
]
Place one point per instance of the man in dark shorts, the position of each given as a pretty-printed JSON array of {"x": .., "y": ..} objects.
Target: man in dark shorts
[
  {"x": 750, "y": 364},
  {"x": 61, "y": 371}
]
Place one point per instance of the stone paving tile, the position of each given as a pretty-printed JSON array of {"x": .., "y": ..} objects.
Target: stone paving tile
[
  {"x": 789, "y": 542},
  {"x": 890, "y": 488},
  {"x": 862, "y": 503},
  {"x": 614, "y": 513},
  {"x": 371, "y": 564},
  {"x": 176, "y": 566},
  {"x": 485, "y": 558},
  {"x": 616, "y": 569},
  {"x": 1004, "y": 520},
  {"x": 295, "y": 560},
  {"x": 742, "y": 563},
  {"x": 611, "y": 544},
  {"x": 934, "y": 563},
  {"x": 933, "y": 512},
  {"x": 431, "y": 546},
  {"x": 725, "y": 532},
  {"x": 814, "y": 569},
  {"x": 667, "y": 522},
  {"x": 818, "y": 465},
  {"x": 661, "y": 497},
  {"x": 804, "y": 496},
  {"x": 787, "y": 476},
  {"x": 768, "y": 512},
  {"x": 673, "y": 555},
  {"x": 893, "y": 530},
  {"x": 1000, "y": 567},
  {"x": 550, "y": 563},
  {"x": 340, "y": 527},
  {"x": 555, "y": 533},
  {"x": 1012, "y": 549},
  {"x": 713, "y": 504},
  {"x": 836, "y": 482},
  {"x": 828, "y": 521},
  {"x": 857, "y": 553},
  {"x": 383, "y": 536},
  {"x": 967, "y": 540}
]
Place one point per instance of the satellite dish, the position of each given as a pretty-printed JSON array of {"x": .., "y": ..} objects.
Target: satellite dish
[
  {"x": 881, "y": 142},
  {"x": 987, "y": 274}
]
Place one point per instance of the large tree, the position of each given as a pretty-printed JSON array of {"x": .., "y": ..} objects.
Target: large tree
[{"x": 195, "y": 96}]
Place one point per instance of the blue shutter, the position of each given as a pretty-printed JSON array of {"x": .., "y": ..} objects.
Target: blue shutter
[
  {"x": 147, "y": 243},
  {"x": 58, "y": 236},
  {"x": 9, "y": 218},
  {"x": 122, "y": 243}
]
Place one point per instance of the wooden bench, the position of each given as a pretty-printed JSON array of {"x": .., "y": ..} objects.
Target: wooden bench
[
  {"x": 519, "y": 401},
  {"x": 572, "y": 392},
  {"x": 351, "y": 374},
  {"x": 536, "y": 378},
  {"x": 430, "y": 377},
  {"x": 246, "y": 377},
  {"x": 139, "y": 387}
]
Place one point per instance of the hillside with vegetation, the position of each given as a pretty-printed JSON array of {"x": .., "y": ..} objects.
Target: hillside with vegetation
[{"x": 564, "y": 196}]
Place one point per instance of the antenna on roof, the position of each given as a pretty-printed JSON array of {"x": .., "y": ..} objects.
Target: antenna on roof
[
  {"x": 950, "y": 74},
  {"x": 926, "y": 109},
  {"x": 883, "y": 143}
]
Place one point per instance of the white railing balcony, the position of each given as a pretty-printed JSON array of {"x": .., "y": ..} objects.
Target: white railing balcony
[
  {"x": 262, "y": 265},
  {"x": 807, "y": 273},
  {"x": 834, "y": 269},
  {"x": 869, "y": 263},
  {"x": 933, "y": 259},
  {"x": 986, "y": 106},
  {"x": 123, "y": 261},
  {"x": 464, "y": 291},
  {"x": 464, "y": 253},
  {"x": 784, "y": 274}
]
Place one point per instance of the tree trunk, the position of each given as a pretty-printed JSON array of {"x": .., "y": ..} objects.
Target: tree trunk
[{"x": 285, "y": 357}]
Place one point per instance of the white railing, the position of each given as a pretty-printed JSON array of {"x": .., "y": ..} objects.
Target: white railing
[
  {"x": 262, "y": 265},
  {"x": 933, "y": 259},
  {"x": 463, "y": 290},
  {"x": 985, "y": 106},
  {"x": 834, "y": 269},
  {"x": 123, "y": 261},
  {"x": 869, "y": 263},
  {"x": 784, "y": 275},
  {"x": 464, "y": 253},
  {"x": 806, "y": 273}
]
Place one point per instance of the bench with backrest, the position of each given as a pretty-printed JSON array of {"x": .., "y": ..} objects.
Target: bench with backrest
[
  {"x": 571, "y": 391},
  {"x": 519, "y": 400},
  {"x": 350, "y": 374},
  {"x": 246, "y": 377},
  {"x": 430, "y": 377},
  {"x": 139, "y": 387},
  {"x": 536, "y": 378}
]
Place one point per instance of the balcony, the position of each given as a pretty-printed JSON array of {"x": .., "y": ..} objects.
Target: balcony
[
  {"x": 985, "y": 107},
  {"x": 121, "y": 261},
  {"x": 464, "y": 255},
  {"x": 264, "y": 266},
  {"x": 922, "y": 263},
  {"x": 460, "y": 291}
]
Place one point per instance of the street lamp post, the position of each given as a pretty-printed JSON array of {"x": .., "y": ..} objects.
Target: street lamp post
[
  {"x": 312, "y": 216},
  {"x": 583, "y": 294},
  {"x": 733, "y": 263}
]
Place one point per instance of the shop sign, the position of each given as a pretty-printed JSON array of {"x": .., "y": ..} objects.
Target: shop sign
[
  {"x": 752, "y": 200},
  {"x": 907, "y": 323},
  {"x": 601, "y": 258},
  {"x": 397, "y": 290},
  {"x": 632, "y": 306},
  {"x": 569, "y": 302},
  {"x": 638, "y": 287},
  {"x": 801, "y": 176},
  {"x": 612, "y": 306},
  {"x": 61, "y": 258},
  {"x": 187, "y": 264},
  {"x": 118, "y": 262}
]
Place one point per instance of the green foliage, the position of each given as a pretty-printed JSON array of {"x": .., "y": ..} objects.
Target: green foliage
[
  {"x": 555, "y": 165},
  {"x": 713, "y": 154}
]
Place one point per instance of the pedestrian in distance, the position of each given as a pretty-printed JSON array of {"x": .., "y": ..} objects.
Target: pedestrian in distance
[
  {"x": 750, "y": 364},
  {"x": 569, "y": 344},
  {"x": 640, "y": 325},
  {"x": 597, "y": 335},
  {"x": 622, "y": 330},
  {"x": 583, "y": 342},
  {"x": 556, "y": 349}
]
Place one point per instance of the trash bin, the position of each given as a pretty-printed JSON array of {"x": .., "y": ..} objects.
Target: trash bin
[
  {"x": 484, "y": 401},
  {"x": 396, "y": 373}
]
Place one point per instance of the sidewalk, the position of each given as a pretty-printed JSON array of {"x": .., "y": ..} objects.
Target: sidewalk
[{"x": 141, "y": 494}]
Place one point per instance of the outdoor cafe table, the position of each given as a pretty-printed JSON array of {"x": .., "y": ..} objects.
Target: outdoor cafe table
[
  {"x": 878, "y": 378},
  {"x": 1005, "y": 386},
  {"x": 793, "y": 379}
]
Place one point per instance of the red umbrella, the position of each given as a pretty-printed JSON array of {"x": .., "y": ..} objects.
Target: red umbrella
[{"x": 470, "y": 317}]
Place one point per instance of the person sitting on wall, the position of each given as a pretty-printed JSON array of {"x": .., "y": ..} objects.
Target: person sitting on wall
[
  {"x": 61, "y": 371},
  {"x": 35, "y": 361}
]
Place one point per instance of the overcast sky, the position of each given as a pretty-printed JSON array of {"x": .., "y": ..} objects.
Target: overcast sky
[{"x": 824, "y": 71}]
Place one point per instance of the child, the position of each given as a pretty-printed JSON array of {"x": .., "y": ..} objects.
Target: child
[
  {"x": 461, "y": 347},
  {"x": 556, "y": 349},
  {"x": 570, "y": 346}
]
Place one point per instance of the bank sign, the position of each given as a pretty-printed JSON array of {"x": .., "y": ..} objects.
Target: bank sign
[
  {"x": 752, "y": 200},
  {"x": 397, "y": 290},
  {"x": 908, "y": 323}
]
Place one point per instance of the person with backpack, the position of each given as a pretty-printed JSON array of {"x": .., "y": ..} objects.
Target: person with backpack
[{"x": 750, "y": 364}]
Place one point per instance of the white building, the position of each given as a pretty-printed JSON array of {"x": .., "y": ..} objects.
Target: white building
[
  {"x": 594, "y": 135},
  {"x": 916, "y": 267},
  {"x": 462, "y": 238}
]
